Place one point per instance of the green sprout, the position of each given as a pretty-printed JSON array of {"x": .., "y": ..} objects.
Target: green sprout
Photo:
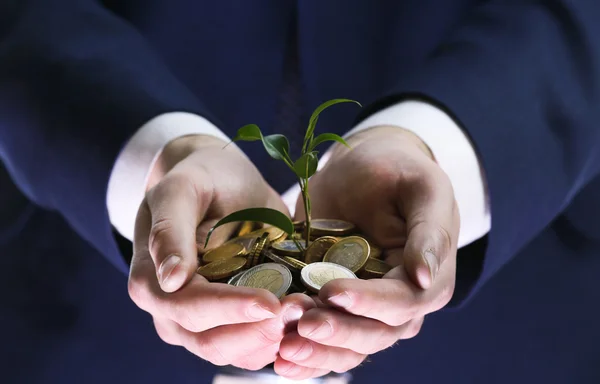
[{"x": 278, "y": 147}]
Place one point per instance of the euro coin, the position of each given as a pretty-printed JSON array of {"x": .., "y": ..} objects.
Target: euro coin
[
  {"x": 225, "y": 251},
  {"x": 273, "y": 277},
  {"x": 285, "y": 260},
  {"x": 234, "y": 279},
  {"x": 246, "y": 241},
  {"x": 318, "y": 248},
  {"x": 295, "y": 263},
  {"x": 286, "y": 248},
  {"x": 316, "y": 275},
  {"x": 275, "y": 234},
  {"x": 221, "y": 269},
  {"x": 259, "y": 246},
  {"x": 245, "y": 228},
  {"x": 351, "y": 252},
  {"x": 298, "y": 226},
  {"x": 374, "y": 268},
  {"x": 327, "y": 227},
  {"x": 375, "y": 252}
]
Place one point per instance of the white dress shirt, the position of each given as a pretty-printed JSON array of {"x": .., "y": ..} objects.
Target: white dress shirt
[{"x": 448, "y": 143}]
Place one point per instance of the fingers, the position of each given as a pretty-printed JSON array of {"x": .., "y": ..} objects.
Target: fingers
[
  {"x": 249, "y": 346},
  {"x": 391, "y": 301},
  {"x": 293, "y": 307},
  {"x": 427, "y": 203},
  {"x": 307, "y": 353},
  {"x": 175, "y": 207},
  {"x": 342, "y": 330},
  {"x": 296, "y": 372}
]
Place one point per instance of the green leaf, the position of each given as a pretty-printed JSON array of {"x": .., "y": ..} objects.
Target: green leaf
[
  {"x": 323, "y": 137},
  {"x": 249, "y": 132},
  {"x": 306, "y": 165},
  {"x": 262, "y": 215},
  {"x": 277, "y": 146},
  {"x": 315, "y": 117}
]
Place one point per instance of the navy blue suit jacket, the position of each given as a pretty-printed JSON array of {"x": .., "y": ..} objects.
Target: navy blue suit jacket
[{"x": 79, "y": 77}]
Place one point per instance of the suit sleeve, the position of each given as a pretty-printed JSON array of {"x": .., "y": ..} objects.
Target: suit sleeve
[
  {"x": 522, "y": 78},
  {"x": 76, "y": 82}
]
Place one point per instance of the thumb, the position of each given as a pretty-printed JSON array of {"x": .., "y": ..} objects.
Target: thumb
[
  {"x": 176, "y": 210},
  {"x": 426, "y": 248},
  {"x": 432, "y": 230}
]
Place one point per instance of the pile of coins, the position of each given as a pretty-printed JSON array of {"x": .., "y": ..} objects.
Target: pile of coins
[{"x": 266, "y": 258}]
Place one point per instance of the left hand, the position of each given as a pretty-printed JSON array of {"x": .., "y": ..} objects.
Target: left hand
[{"x": 391, "y": 188}]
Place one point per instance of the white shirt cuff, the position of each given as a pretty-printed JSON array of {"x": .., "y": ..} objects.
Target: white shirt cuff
[{"x": 129, "y": 176}]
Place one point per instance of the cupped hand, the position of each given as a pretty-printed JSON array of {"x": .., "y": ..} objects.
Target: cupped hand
[
  {"x": 195, "y": 183},
  {"x": 390, "y": 186}
]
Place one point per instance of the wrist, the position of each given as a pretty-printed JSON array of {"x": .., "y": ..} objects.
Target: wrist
[{"x": 180, "y": 148}]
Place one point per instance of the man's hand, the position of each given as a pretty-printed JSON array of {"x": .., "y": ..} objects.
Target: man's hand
[
  {"x": 390, "y": 187},
  {"x": 194, "y": 184}
]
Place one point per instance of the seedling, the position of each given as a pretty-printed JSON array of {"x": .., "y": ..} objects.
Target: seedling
[{"x": 278, "y": 147}]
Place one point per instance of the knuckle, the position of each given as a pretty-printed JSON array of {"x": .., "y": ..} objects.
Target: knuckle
[
  {"x": 182, "y": 315},
  {"x": 349, "y": 363},
  {"x": 382, "y": 339},
  {"x": 408, "y": 311},
  {"x": 166, "y": 334},
  {"x": 160, "y": 229},
  {"x": 137, "y": 288},
  {"x": 268, "y": 335},
  {"x": 172, "y": 184},
  {"x": 444, "y": 296},
  {"x": 206, "y": 349},
  {"x": 446, "y": 239},
  {"x": 412, "y": 329}
]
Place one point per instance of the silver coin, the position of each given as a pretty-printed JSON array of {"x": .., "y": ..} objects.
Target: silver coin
[
  {"x": 234, "y": 279},
  {"x": 273, "y": 277},
  {"x": 332, "y": 225},
  {"x": 316, "y": 275},
  {"x": 286, "y": 245}
]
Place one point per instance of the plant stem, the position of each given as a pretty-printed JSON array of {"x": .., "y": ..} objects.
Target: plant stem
[
  {"x": 306, "y": 200},
  {"x": 298, "y": 245}
]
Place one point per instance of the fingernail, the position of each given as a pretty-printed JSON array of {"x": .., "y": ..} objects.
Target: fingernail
[
  {"x": 304, "y": 352},
  {"x": 432, "y": 264},
  {"x": 259, "y": 312},
  {"x": 341, "y": 300},
  {"x": 165, "y": 271},
  {"x": 292, "y": 314},
  {"x": 321, "y": 332}
]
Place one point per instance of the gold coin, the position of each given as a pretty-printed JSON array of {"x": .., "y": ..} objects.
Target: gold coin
[
  {"x": 259, "y": 246},
  {"x": 318, "y": 248},
  {"x": 375, "y": 252},
  {"x": 246, "y": 241},
  {"x": 295, "y": 263},
  {"x": 221, "y": 269},
  {"x": 225, "y": 251},
  {"x": 286, "y": 248},
  {"x": 374, "y": 268},
  {"x": 270, "y": 276},
  {"x": 316, "y": 275},
  {"x": 327, "y": 227},
  {"x": 275, "y": 234},
  {"x": 298, "y": 226},
  {"x": 245, "y": 228},
  {"x": 351, "y": 252},
  {"x": 285, "y": 260}
]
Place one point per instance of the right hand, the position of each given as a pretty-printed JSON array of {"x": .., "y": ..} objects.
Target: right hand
[{"x": 195, "y": 183}]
